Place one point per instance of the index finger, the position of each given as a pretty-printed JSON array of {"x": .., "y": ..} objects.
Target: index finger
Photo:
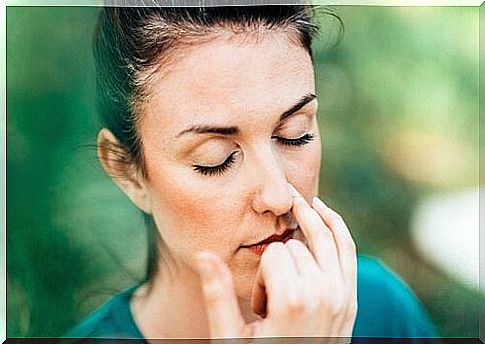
[{"x": 320, "y": 238}]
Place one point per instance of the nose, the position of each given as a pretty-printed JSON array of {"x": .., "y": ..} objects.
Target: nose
[{"x": 271, "y": 192}]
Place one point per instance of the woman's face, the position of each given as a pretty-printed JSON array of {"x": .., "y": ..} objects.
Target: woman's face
[{"x": 226, "y": 126}]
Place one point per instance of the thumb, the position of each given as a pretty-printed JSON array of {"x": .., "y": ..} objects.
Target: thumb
[{"x": 225, "y": 319}]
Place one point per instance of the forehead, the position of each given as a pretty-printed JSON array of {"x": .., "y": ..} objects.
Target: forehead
[{"x": 229, "y": 80}]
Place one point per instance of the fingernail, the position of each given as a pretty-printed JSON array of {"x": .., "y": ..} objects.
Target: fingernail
[{"x": 205, "y": 265}]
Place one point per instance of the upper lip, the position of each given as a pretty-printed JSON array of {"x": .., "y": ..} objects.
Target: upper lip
[{"x": 275, "y": 237}]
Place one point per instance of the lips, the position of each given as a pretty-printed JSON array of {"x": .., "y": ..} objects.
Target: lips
[{"x": 259, "y": 247}]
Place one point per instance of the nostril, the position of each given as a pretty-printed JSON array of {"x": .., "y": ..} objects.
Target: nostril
[
  {"x": 272, "y": 196},
  {"x": 270, "y": 190}
]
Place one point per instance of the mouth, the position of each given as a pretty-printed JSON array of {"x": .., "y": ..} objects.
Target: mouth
[{"x": 261, "y": 246}]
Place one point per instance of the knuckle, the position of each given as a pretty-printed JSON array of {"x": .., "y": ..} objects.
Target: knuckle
[
  {"x": 213, "y": 291},
  {"x": 336, "y": 219},
  {"x": 295, "y": 306},
  {"x": 350, "y": 245},
  {"x": 337, "y": 306},
  {"x": 336, "y": 216}
]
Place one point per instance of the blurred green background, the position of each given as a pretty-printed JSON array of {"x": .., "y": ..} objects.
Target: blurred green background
[{"x": 399, "y": 117}]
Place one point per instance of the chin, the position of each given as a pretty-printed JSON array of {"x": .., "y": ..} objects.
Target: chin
[
  {"x": 244, "y": 292},
  {"x": 243, "y": 284}
]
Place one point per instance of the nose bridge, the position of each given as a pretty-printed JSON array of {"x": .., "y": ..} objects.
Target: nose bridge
[{"x": 271, "y": 192}]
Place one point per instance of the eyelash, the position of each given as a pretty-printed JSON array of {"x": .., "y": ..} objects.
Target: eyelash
[
  {"x": 220, "y": 169},
  {"x": 307, "y": 138}
]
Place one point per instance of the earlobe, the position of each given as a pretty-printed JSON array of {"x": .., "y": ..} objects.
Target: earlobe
[{"x": 119, "y": 166}]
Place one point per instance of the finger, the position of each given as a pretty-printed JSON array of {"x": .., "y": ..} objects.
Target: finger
[
  {"x": 304, "y": 260},
  {"x": 320, "y": 238},
  {"x": 225, "y": 319},
  {"x": 345, "y": 244},
  {"x": 278, "y": 275},
  {"x": 305, "y": 264}
]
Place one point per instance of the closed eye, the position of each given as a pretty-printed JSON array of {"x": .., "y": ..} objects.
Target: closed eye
[
  {"x": 219, "y": 169},
  {"x": 300, "y": 141}
]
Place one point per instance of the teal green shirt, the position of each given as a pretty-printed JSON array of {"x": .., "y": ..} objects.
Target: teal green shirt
[{"x": 386, "y": 308}]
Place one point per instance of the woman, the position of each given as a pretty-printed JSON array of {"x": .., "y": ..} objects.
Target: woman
[{"x": 210, "y": 128}]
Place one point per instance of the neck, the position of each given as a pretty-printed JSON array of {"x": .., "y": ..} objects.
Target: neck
[{"x": 173, "y": 306}]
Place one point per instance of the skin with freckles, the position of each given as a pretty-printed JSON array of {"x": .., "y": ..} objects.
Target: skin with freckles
[
  {"x": 224, "y": 130},
  {"x": 247, "y": 86}
]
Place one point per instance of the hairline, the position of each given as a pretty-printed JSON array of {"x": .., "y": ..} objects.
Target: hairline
[{"x": 153, "y": 74}]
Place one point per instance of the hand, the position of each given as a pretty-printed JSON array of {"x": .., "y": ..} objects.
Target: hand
[{"x": 301, "y": 291}]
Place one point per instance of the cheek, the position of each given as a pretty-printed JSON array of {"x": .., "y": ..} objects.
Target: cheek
[
  {"x": 303, "y": 171},
  {"x": 190, "y": 214}
]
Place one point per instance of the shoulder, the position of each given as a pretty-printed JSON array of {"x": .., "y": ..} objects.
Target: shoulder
[
  {"x": 113, "y": 319},
  {"x": 387, "y": 307}
]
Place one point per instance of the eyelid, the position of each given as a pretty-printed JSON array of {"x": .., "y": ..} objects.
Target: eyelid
[
  {"x": 301, "y": 121},
  {"x": 308, "y": 111},
  {"x": 217, "y": 169}
]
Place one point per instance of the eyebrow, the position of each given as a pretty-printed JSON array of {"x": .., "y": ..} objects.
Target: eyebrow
[
  {"x": 301, "y": 103},
  {"x": 208, "y": 129}
]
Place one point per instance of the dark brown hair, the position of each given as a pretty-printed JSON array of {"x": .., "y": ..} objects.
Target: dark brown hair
[{"x": 132, "y": 43}]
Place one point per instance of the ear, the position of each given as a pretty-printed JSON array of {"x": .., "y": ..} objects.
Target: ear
[{"x": 117, "y": 163}]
